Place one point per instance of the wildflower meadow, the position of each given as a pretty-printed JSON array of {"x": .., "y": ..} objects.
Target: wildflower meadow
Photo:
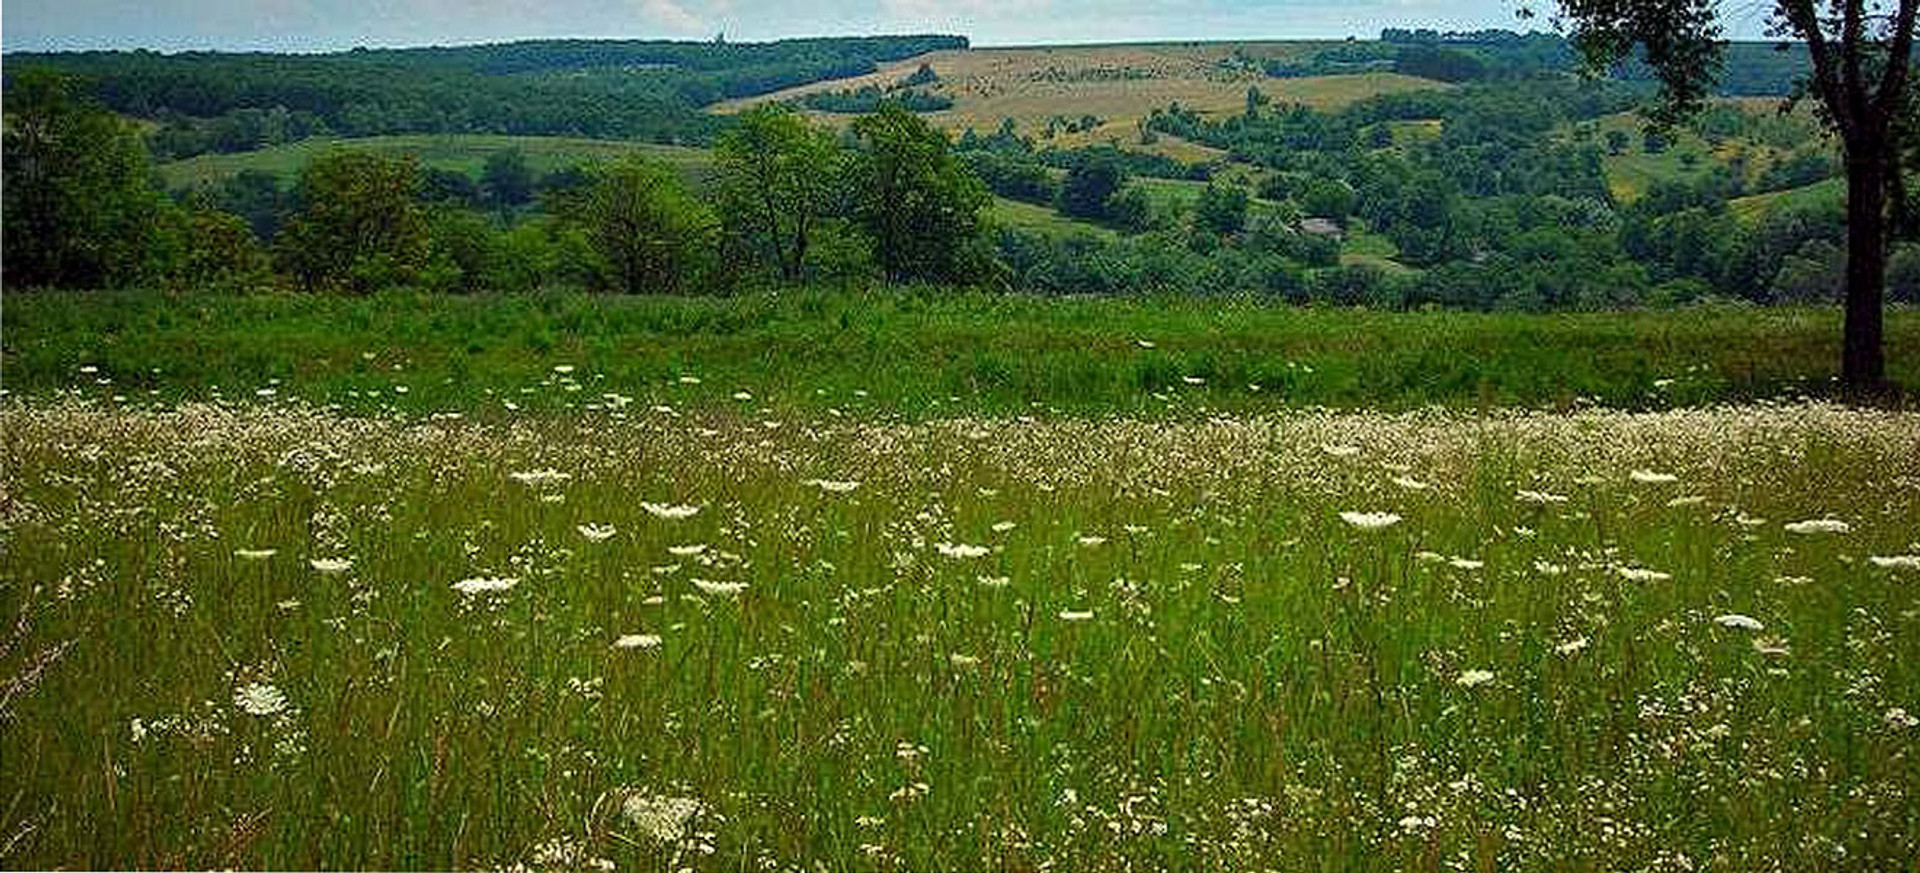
[{"x": 265, "y": 634}]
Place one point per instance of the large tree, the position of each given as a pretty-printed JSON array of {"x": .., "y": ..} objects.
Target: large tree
[
  {"x": 360, "y": 225},
  {"x": 920, "y": 205},
  {"x": 653, "y": 235},
  {"x": 776, "y": 180},
  {"x": 1861, "y": 53},
  {"x": 79, "y": 211}
]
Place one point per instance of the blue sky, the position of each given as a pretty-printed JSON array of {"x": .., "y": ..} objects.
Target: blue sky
[{"x": 316, "y": 25}]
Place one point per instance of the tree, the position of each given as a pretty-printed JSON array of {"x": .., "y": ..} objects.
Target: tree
[
  {"x": 79, "y": 211},
  {"x": 651, "y": 234},
  {"x": 1328, "y": 198},
  {"x": 1222, "y": 208},
  {"x": 1090, "y": 184},
  {"x": 1861, "y": 56},
  {"x": 919, "y": 204},
  {"x": 506, "y": 179},
  {"x": 776, "y": 182},
  {"x": 359, "y": 224}
]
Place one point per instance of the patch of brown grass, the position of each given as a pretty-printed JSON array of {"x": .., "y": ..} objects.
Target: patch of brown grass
[{"x": 1118, "y": 84}]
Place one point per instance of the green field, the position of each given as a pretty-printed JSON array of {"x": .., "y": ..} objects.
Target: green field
[
  {"x": 1754, "y": 207},
  {"x": 1042, "y": 219},
  {"x": 916, "y": 353},
  {"x": 266, "y": 636},
  {"x": 465, "y": 153}
]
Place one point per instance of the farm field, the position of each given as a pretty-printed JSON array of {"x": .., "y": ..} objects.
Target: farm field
[
  {"x": 1117, "y": 84},
  {"x": 269, "y": 636},
  {"x": 465, "y": 153},
  {"x": 918, "y": 354}
]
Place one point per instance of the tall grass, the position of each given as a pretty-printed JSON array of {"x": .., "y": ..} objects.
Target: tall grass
[
  {"x": 969, "y": 644},
  {"x": 918, "y": 354}
]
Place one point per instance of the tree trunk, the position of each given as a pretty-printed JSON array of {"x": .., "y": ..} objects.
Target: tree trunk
[{"x": 1862, "y": 360}]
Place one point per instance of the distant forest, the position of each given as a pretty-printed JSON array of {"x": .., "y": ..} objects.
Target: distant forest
[
  {"x": 617, "y": 89},
  {"x": 654, "y": 90}
]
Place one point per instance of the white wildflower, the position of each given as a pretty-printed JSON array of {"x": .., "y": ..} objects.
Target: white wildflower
[
  {"x": 719, "y": 589},
  {"x": 1819, "y": 526},
  {"x": 832, "y": 486},
  {"x": 663, "y": 819},
  {"x": 637, "y": 641},
  {"x": 1410, "y": 483},
  {"x": 687, "y": 551},
  {"x": 1737, "y": 621},
  {"x": 961, "y": 550},
  {"x": 255, "y": 554},
  {"x": 1076, "y": 615},
  {"x": 259, "y": 699},
  {"x": 670, "y": 511},
  {"x": 330, "y": 566},
  {"x": 1898, "y": 719},
  {"x": 1642, "y": 574},
  {"x": 1649, "y": 477},
  {"x": 1890, "y": 562},
  {"x": 1542, "y": 498},
  {"x": 485, "y": 585},
  {"x": 1370, "y": 520},
  {"x": 1571, "y": 646},
  {"x": 1473, "y": 678},
  {"x": 596, "y": 533},
  {"x": 537, "y": 478}
]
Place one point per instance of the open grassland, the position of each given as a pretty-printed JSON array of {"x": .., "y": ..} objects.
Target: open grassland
[
  {"x": 1690, "y": 157},
  {"x": 1020, "y": 215},
  {"x": 1117, "y": 84},
  {"x": 465, "y": 153},
  {"x": 268, "y": 637},
  {"x": 1754, "y": 207},
  {"x": 922, "y": 353}
]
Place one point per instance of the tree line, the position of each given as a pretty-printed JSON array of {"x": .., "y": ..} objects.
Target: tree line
[
  {"x": 1495, "y": 212},
  {"x": 626, "y": 89},
  {"x": 789, "y": 201}
]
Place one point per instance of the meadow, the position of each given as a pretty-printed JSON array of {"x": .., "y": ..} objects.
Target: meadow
[
  {"x": 268, "y": 635},
  {"x": 914, "y": 353}
]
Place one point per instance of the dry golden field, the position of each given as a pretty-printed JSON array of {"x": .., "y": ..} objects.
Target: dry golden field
[{"x": 1118, "y": 84}]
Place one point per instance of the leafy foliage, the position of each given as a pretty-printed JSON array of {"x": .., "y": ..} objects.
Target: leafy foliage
[{"x": 915, "y": 199}]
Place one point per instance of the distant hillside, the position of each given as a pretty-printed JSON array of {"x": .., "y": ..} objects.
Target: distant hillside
[
  {"x": 1070, "y": 96},
  {"x": 651, "y": 90}
]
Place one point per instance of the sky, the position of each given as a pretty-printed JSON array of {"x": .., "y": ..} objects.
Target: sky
[{"x": 327, "y": 25}]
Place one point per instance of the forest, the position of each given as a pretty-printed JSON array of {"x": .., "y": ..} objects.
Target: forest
[{"x": 1496, "y": 189}]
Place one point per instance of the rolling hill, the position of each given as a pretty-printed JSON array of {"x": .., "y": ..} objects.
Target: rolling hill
[{"x": 1115, "y": 85}]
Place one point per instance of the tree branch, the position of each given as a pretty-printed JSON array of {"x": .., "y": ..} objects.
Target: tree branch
[
  {"x": 1801, "y": 15},
  {"x": 1893, "y": 82},
  {"x": 1852, "y": 35}
]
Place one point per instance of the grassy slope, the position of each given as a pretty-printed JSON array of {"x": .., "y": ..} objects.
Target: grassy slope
[
  {"x": 1117, "y": 84},
  {"x": 914, "y": 354},
  {"x": 1753, "y": 207},
  {"x": 1043, "y": 219},
  {"x": 466, "y": 153}
]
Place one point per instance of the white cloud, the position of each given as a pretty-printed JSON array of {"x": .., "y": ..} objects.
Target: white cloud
[{"x": 672, "y": 16}]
